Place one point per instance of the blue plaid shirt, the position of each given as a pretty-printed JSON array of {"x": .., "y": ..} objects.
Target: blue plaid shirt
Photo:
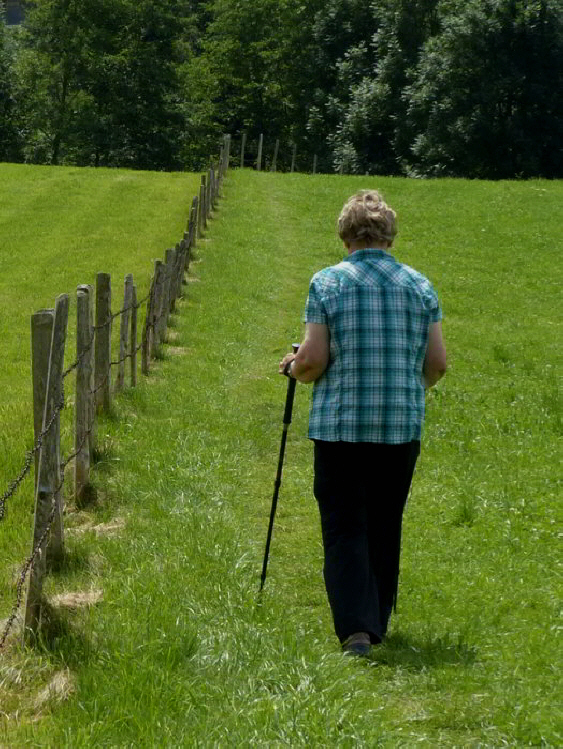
[{"x": 378, "y": 312}]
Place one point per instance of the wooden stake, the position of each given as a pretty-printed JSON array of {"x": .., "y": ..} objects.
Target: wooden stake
[
  {"x": 275, "y": 159},
  {"x": 133, "y": 344},
  {"x": 102, "y": 377},
  {"x": 84, "y": 413},
  {"x": 242, "y": 149},
  {"x": 259, "y": 157},
  {"x": 124, "y": 333},
  {"x": 49, "y": 544}
]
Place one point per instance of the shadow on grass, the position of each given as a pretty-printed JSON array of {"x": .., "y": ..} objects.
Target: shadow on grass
[
  {"x": 61, "y": 637},
  {"x": 421, "y": 653},
  {"x": 73, "y": 560}
]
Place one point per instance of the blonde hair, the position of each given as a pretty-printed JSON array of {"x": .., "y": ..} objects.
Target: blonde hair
[{"x": 366, "y": 217}]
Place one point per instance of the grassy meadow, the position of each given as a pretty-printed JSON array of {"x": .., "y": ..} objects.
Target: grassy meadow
[
  {"x": 174, "y": 648},
  {"x": 59, "y": 227}
]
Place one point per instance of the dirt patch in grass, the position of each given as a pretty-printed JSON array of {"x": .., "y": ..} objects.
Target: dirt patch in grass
[
  {"x": 112, "y": 528},
  {"x": 59, "y": 689},
  {"x": 77, "y": 599}
]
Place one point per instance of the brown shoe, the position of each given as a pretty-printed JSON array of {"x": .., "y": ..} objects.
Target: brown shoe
[{"x": 357, "y": 644}]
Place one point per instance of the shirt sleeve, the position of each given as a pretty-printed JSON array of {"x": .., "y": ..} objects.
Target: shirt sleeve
[
  {"x": 432, "y": 303},
  {"x": 314, "y": 308}
]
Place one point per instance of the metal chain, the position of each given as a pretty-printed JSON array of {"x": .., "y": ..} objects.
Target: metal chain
[
  {"x": 29, "y": 459},
  {"x": 14, "y": 485},
  {"x": 30, "y": 561}
]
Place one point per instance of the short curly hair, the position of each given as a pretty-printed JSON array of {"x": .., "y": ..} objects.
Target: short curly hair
[{"x": 366, "y": 217}]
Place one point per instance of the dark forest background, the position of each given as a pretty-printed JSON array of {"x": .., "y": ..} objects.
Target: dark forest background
[{"x": 468, "y": 88}]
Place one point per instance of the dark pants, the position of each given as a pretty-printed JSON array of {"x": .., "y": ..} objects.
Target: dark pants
[{"x": 361, "y": 489}]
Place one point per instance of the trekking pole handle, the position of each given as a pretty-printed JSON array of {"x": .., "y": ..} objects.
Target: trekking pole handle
[
  {"x": 290, "y": 392},
  {"x": 286, "y": 369}
]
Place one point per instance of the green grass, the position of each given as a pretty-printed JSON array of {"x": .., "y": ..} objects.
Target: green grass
[
  {"x": 178, "y": 653},
  {"x": 59, "y": 227}
]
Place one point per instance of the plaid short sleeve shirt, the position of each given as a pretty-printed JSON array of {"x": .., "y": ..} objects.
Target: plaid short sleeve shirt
[{"x": 378, "y": 312}]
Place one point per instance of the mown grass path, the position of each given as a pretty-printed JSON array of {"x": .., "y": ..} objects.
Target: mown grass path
[{"x": 178, "y": 653}]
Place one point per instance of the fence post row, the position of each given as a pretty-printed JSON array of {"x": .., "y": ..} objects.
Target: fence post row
[{"x": 93, "y": 383}]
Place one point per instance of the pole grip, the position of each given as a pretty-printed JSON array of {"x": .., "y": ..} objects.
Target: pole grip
[{"x": 290, "y": 393}]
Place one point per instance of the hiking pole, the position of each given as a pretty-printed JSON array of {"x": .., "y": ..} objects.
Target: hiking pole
[{"x": 286, "y": 422}]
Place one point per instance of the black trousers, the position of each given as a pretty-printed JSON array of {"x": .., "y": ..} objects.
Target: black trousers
[{"x": 361, "y": 489}]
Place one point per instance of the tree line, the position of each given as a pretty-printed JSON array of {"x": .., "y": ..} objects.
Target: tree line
[{"x": 400, "y": 87}]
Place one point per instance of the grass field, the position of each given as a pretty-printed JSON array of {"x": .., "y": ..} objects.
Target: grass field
[
  {"x": 58, "y": 228},
  {"x": 177, "y": 652}
]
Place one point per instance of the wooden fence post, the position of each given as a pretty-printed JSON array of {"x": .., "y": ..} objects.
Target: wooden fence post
[
  {"x": 242, "y": 149},
  {"x": 315, "y": 164},
  {"x": 48, "y": 541},
  {"x": 133, "y": 343},
  {"x": 293, "y": 155},
  {"x": 158, "y": 309},
  {"x": 204, "y": 206},
  {"x": 85, "y": 414},
  {"x": 193, "y": 222},
  {"x": 201, "y": 210},
  {"x": 55, "y": 399},
  {"x": 148, "y": 330},
  {"x": 220, "y": 165},
  {"x": 169, "y": 259},
  {"x": 176, "y": 287},
  {"x": 184, "y": 254},
  {"x": 227, "y": 141},
  {"x": 124, "y": 333},
  {"x": 259, "y": 157},
  {"x": 102, "y": 378},
  {"x": 41, "y": 335},
  {"x": 275, "y": 159},
  {"x": 213, "y": 179}
]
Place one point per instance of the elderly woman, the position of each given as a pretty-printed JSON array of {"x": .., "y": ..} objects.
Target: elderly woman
[{"x": 373, "y": 343}]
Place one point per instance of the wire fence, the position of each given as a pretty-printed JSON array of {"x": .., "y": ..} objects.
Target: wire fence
[{"x": 93, "y": 368}]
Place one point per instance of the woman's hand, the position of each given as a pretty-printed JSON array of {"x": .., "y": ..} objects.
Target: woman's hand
[{"x": 287, "y": 359}]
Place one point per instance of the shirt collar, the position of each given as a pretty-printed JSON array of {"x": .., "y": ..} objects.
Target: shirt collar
[{"x": 369, "y": 252}]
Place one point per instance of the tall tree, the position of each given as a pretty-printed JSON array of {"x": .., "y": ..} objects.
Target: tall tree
[
  {"x": 101, "y": 83},
  {"x": 370, "y": 135},
  {"x": 486, "y": 100},
  {"x": 9, "y": 136}
]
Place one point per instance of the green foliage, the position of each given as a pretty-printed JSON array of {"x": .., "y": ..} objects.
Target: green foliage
[
  {"x": 486, "y": 99},
  {"x": 412, "y": 87},
  {"x": 9, "y": 136},
  {"x": 371, "y": 131},
  {"x": 104, "y": 81}
]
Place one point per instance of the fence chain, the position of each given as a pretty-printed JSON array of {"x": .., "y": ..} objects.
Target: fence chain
[
  {"x": 14, "y": 485},
  {"x": 29, "y": 459},
  {"x": 28, "y": 565},
  {"x": 30, "y": 561}
]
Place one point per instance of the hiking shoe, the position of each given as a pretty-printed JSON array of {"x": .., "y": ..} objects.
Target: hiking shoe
[{"x": 357, "y": 644}]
